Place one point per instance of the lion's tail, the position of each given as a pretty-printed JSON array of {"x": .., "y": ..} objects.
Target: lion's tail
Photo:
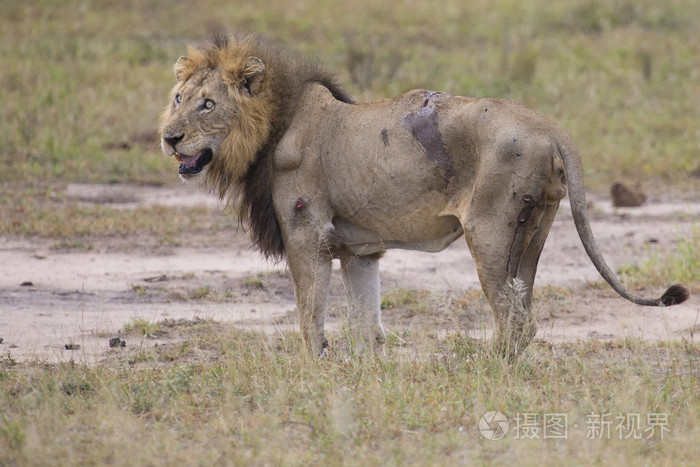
[{"x": 577, "y": 197}]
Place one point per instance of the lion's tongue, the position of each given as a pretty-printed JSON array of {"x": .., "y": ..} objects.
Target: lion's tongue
[{"x": 190, "y": 161}]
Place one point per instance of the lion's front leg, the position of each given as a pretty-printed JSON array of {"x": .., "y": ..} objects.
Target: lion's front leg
[
  {"x": 361, "y": 280},
  {"x": 311, "y": 272}
]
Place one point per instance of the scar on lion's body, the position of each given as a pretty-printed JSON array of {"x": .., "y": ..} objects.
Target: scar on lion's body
[
  {"x": 523, "y": 217},
  {"x": 385, "y": 137},
  {"x": 423, "y": 125}
]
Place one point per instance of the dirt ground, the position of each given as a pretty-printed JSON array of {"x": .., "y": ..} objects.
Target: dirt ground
[{"x": 51, "y": 298}]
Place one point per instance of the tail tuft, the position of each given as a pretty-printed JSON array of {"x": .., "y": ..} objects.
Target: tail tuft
[{"x": 674, "y": 295}]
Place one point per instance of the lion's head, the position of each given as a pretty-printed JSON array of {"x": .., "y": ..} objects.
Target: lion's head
[
  {"x": 219, "y": 114},
  {"x": 233, "y": 100}
]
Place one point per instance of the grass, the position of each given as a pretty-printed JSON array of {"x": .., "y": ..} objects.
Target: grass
[
  {"x": 142, "y": 327},
  {"x": 82, "y": 93},
  {"x": 257, "y": 282},
  {"x": 224, "y": 395},
  {"x": 398, "y": 297},
  {"x": 42, "y": 211},
  {"x": 681, "y": 266},
  {"x": 200, "y": 293}
]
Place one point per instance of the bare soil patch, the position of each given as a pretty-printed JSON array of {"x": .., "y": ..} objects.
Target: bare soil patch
[{"x": 51, "y": 298}]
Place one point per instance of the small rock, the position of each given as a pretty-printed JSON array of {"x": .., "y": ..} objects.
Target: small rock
[
  {"x": 27, "y": 284},
  {"x": 72, "y": 346},
  {"x": 625, "y": 196},
  {"x": 41, "y": 254},
  {"x": 1, "y": 339},
  {"x": 117, "y": 342}
]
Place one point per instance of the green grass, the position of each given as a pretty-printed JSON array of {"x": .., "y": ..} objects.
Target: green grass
[
  {"x": 222, "y": 395},
  {"x": 681, "y": 266},
  {"x": 257, "y": 282},
  {"x": 84, "y": 82},
  {"x": 42, "y": 211},
  {"x": 200, "y": 293},
  {"x": 142, "y": 327},
  {"x": 403, "y": 297}
]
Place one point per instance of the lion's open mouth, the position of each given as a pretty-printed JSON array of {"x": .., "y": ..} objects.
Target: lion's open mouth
[{"x": 190, "y": 165}]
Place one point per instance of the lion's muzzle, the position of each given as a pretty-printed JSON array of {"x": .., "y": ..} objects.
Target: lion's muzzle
[{"x": 192, "y": 165}]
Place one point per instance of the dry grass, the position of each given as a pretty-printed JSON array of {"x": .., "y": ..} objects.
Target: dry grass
[
  {"x": 222, "y": 396},
  {"x": 43, "y": 211},
  {"x": 84, "y": 82}
]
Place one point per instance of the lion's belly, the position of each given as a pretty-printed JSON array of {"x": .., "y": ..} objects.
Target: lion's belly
[{"x": 433, "y": 236}]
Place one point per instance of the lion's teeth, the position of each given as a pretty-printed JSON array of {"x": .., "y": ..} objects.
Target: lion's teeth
[{"x": 177, "y": 156}]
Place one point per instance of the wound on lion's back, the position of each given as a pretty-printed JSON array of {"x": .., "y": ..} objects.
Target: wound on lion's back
[{"x": 423, "y": 125}]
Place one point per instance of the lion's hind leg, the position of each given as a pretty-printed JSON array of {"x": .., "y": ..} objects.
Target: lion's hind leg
[
  {"x": 506, "y": 250},
  {"x": 506, "y": 220},
  {"x": 507, "y": 294},
  {"x": 521, "y": 325}
]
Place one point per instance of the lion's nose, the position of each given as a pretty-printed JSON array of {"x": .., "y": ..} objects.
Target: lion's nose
[{"x": 172, "y": 140}]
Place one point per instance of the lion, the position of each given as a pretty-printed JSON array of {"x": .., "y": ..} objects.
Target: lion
[{"x": 316, "y": 176}]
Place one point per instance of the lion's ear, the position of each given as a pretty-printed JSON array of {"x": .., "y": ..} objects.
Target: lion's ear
[
  {"x": 182, "y": 65},
  {"x": 253, "y": 71}
]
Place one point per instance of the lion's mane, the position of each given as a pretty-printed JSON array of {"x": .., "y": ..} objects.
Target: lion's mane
[{"x": 242, "y": 174}]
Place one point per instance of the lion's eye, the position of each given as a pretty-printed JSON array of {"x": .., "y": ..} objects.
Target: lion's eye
[
  {"x": 208, "y": 104},
  {"x": 178, "y": 99}
]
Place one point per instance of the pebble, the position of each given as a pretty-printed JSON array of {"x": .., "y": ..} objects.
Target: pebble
[{"x": 117, "y": 342}]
